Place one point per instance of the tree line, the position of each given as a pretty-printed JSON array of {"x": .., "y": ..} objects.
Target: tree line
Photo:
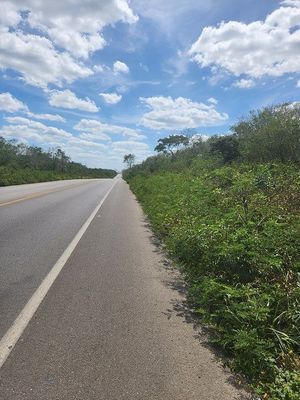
[
  {"x": 22, "y": 163},
  {"x": 268, "y": 135}
]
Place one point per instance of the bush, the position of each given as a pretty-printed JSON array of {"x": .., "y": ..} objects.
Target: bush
[
  {"x": 235, "y": 230},
  {"x": 270, "y": 134}
]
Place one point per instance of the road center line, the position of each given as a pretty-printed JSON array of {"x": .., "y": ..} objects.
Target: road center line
[{"x": 9, "y": 340}]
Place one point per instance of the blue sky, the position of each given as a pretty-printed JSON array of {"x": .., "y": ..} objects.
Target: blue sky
[{"x": 102, "y": 78}]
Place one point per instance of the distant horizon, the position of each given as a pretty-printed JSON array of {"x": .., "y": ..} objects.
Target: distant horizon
[{"x": 104, "y": 79}]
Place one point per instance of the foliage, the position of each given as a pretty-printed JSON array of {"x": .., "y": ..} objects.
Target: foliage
[
  {"x": 129, "y": 159},
  {"x": 234, "y": 228},
  {"x": 20, "y": 163},
  {"x": 238, "y": 243},
  {"x": 271, "y": 134},
  {"x": 171, "y": 144},
  {"x": 227, "y": 147}
]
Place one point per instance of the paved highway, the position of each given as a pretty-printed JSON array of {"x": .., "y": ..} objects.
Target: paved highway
[{"x": 88, "y": 310}]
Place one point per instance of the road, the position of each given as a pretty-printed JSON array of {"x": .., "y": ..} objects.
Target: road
[{"x": 88, "y": 308}]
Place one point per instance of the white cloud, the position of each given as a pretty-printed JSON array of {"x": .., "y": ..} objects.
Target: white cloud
[
  {"x": 25, "y": 129},
  {"x": 128, "y": 144},
  {"x": 74, "y": 25},
  {"x": 180, "y": 113},
  {"x": 198, "y": 137},
  {"x": 269, "y": 47},
  {"x": 99, "y": 136},
  {"x": 87, "y": 144},
  {"x": 48, "y": 117},
  {"x": 120, "y": 67},
  {"x": 68, "y": 99},
  {"x": 84, "y": 148},
  {"x": 36, "y": 59},
  {"x": 111, "y": 98},
  {"x": 244, "y": 83},
  {"x": 66, "y": 31},
  {"x": 298, "y": 84},
  {"x": 9, "y": 15},
  {"x": 96, "y": 127},
  {"x": 27, "y": 125},
  {"x": 76, "y": 43},
  {"x": 293, "y": 3},
  {"x": 212, "y": 100},
  {"x": 99, "y": 68},
  {"x": 10, "y": 104},
  {"x": 139, "y": 149}
]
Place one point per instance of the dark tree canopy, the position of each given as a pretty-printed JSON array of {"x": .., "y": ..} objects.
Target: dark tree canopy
[
  {"x": 171, "y": 144},
  {"x": 226, "y": 146}
]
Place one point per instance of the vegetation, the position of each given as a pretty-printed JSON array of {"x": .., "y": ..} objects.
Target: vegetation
[
  {"x": 171, "y": 144},
  {"x": 20, "y": 163},
  {"x": 129, "y": 159},
  {"x": 228, "y": 210}
]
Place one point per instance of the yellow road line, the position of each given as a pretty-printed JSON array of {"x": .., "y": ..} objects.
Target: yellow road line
[{"x": 39, "y": 194}]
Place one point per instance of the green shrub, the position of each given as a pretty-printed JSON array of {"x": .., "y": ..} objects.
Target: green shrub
[{"x": 235, "y": 230}]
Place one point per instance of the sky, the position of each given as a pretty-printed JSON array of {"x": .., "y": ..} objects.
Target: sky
[{"x": 103, "y": 78}]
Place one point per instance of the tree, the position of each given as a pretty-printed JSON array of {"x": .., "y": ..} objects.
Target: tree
[
  {"x": 270, "y": 134},
  {"x": 129, "y": 159},
  {"x": 60, "y": 160},
  {"x": 8, "y": 152},
  {"x": 171, "y": 144},
  {"x": 227, "y": 146}
]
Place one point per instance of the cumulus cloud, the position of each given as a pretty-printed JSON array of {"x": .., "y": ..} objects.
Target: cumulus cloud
[
  {"x": 120, "y": 67},
  {"x": 111, "y": 98},
  {"x": 34, "y": 126},
  {"x": 68, "y": 30},
  {"x": 74, "y": 25},
  {"x": 10, "y": 104},
  {"x": 68, "y": 99},
  {"x": 269, "y": 47},
  {"x": 86, "y": 147},
  {"x": 180, "y": 113},
  {"x": 9, "y": 15},
  {"x": 244, "y": 83},
  {"x": 298, "y": 84},
  {"x": 38, "y": 62},
  {"x": 294, "y": 3},
  {"x": 95, "y": 127}
]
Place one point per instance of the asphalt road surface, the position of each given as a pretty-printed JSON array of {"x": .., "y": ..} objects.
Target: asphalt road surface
[{"x": 88, "y": 309}]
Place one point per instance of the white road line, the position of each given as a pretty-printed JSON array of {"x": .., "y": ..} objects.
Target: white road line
[{"x": 9, "y": 340}]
